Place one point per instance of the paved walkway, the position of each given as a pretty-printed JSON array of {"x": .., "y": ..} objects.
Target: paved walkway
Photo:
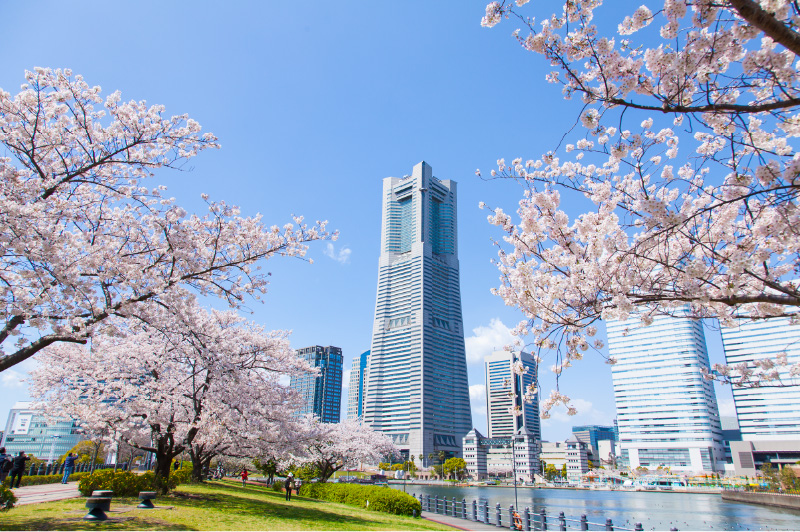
[
  {"x": 456, "y": 522},
  {"x": 46, "y": 492}
]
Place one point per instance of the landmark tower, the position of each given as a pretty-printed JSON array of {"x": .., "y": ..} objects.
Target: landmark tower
[{"x": 416, "y": 383}]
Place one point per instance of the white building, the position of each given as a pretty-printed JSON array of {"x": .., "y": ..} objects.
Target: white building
[
  {"x": 500, "y": 380},
  {"x": 577, "y": 459},
  {"x": 416, "y": 389},
  {"x": 355, "y": 393},
  {"x": 768, "y": 417},
  {"x": 46, "y": 438},
  {"x": 667, "y": 411}
]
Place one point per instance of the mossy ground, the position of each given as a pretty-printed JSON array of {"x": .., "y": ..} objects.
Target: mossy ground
[{"x": 212, "y": 506}]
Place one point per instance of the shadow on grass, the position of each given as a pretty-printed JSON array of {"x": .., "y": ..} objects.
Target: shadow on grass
[
  {"x": 73, "y": 523},
  {"x": 241, "y": 500}
]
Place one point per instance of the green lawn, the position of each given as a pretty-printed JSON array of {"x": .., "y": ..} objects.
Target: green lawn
[{"x": 212, "y": 506}]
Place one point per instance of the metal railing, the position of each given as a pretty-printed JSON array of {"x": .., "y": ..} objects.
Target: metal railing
[{"x": 511, "y": 519}]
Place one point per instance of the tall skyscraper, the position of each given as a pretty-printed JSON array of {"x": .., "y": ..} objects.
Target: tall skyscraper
[
  {"x": 502, "y": 423},
  {"x": 417, "y": 390},
  {"x": 768, "y": 417},
  {"x": 355, "y": 394},
  {"x": 667, "y": 411},
  {"x": 321, "y": 393},
  {"x": 767, "y": 413}
]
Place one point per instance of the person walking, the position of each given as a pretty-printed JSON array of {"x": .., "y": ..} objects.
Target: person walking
[
  {"x": 289, "y": 486},
  {"x": 6, "y": 463},
  {"x": 69, "y": 466},
  {"x": 244, "y": 477},
  {"x": 297, "y": 484},
  {"x": 18, "y": 468}
]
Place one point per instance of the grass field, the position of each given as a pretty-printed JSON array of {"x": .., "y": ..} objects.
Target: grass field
[{"x": 212, "y": 506}]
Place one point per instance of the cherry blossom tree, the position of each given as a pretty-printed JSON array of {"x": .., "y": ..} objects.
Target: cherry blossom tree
[
  {"x": 83, "y": 239},
  {"x": 199, "y": 381},
  {"x": 329, "y": 447},
  {"x": 687, "y": 167}
]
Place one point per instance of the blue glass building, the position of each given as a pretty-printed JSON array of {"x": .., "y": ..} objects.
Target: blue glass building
[{"x": 321, "y": 393}]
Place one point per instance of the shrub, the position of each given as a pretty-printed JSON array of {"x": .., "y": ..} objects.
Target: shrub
[
  {"x": 380, "y": 499},
  {"x": 127, "y": 484},
  {"x": 36, "y": 480},
  {"x": 278, "y": 485},
  {"x": 7, "y": 498}
]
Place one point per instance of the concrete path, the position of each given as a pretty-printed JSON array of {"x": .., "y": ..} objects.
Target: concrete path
[
  {"x": 46, "y": 492},
  {"x": 462, "y": 524}
]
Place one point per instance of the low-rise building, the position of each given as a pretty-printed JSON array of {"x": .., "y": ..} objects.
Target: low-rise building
[
  {"x": 46, "y": 438},
  {"x": 577, "y": 459}
]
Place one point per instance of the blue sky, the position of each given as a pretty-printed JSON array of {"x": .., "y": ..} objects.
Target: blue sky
[{"x": 314, "y": 103}]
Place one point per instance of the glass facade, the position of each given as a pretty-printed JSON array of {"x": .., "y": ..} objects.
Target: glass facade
[
  {"x": 321, "y": 393},
  {"x": 355, "y": 394},
  {"x": 667, "y": 412},
  {"x": 766, "y": 413},
  {"x": 45, "y": 438},
  {"x": 502, "y": 423},
  {"x": 416, "y": 387}
]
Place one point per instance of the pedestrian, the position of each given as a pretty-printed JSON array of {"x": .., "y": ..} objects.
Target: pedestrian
[
  {"x": 244, "y": 477},
  {"x": 69, "y": 466},
  {"x": 289, "y": 485},
  {"x": 18, "y": 468},
  {"x": 6, "y": 462},
  {"x": 297, "y": 484}
]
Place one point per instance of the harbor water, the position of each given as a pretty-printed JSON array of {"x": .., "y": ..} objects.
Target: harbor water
[{"x": 655, "y": 510}]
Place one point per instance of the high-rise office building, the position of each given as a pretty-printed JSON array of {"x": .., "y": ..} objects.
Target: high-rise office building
[
  {"x": 355, "y": 394},
  {"x": 321, "y": 393},
  {"x": 499, "y": 382},
  {"x": 592, "y": 434},
  {"x": 768, "y": 417},
  {"x": 416, "y": 388},
  {"x": 46, "y": 438},
  {"x": 667, "y": 412}
]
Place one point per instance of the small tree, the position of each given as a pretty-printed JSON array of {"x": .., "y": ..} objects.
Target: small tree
[
  {"x": 456, "y": 467},
  {"x": 789, "y": 479},
  {"x": 770, "y": 476}
]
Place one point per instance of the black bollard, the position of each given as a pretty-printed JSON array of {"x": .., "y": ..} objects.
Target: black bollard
[
  {"x": 584, "y": 522},
  {"x": 474, "y": 510},
  {"x": 526, "y": 519},
  {"x": 543, "y": 518},
  {"x": 486, "y": 512},
  {"x": 497, "y": 516},
  {"x": 454, "y": 514},
  {"x": 609, "y": 524},
  {"x": 436, "y": 504},
  {"x": 562, "y": 521},
  {"x": 463, "y": 508},
  {"x": 511, "y": 516}
]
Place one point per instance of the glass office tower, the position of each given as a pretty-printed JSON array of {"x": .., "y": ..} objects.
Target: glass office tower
[
  {"x": 321, "y": 393},
  {"x": 416, "y": 386},
  {"x": 667, "y": 411}
]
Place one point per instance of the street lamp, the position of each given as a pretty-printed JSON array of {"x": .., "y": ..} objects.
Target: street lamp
[{"x": 53, "y": 448}]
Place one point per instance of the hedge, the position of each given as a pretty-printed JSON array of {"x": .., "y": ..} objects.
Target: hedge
[
  {"x": 127, "y": 484},
  {"x": 381, "y": 499},
  {"x": 7, "y": 498},
  {"x": 36, "y": 480}
]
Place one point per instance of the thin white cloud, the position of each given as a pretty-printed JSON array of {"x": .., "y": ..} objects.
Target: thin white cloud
[
  {"x": 342, "y": 257},
  {"x": 12, "y": 379},
  {"x": 587, "y": 415},
  {"x": 487, "y": 339},
  {"x": 477, "y": 398}
]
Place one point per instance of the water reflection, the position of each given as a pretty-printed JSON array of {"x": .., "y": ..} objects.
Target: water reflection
[{"x": 656, "y": 511}]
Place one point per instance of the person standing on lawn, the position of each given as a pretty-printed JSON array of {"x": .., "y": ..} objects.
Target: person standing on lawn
[
  {"x": 244, "y": 477},
  {"x": 289, "y": 485},
  {"x": 18, "y": 468},
  {"x": 69, "y": 466},
  {"x": 297, "y": 484}
]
